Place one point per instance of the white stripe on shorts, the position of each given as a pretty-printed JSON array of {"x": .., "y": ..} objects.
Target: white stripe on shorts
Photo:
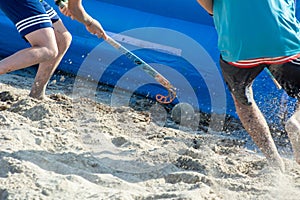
[
  {"x": 296, "y": 61},
  {"x": 51, "y": 13},
  {"x": 31, "y": 21}
]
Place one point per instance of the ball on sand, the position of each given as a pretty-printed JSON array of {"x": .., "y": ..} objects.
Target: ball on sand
[{"x": 182, "y": 113}]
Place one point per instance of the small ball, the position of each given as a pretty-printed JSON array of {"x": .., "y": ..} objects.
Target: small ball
[{"x": 182, "y": 113}]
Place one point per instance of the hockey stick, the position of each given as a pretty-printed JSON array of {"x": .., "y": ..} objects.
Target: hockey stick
[
  {"x": 149, "y": 70},
  {"x": 139, "y": 62},
  {"x": 61, "y": 3},
  {"x": 273, "y": 78},
  {"x": 283, "y": 112}
]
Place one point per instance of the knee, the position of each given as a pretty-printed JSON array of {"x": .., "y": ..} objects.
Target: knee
[
  {"x": 292, "y": 125},
  {"x": 67, "y": 39},
  {"x": 64, "y": 42},
  {"x": 45, "y": 53},
  {"x": 51, "y": 53},
  {"x": 62, "y": 45},
  {"x": 289, "y": 126}
]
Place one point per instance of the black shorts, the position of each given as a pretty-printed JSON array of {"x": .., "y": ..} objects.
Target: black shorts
[{"x": 240, "y": 80}]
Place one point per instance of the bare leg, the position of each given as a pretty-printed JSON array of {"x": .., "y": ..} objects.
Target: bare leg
[
  {"x": 46, "y": 69},
  {"x": 293, "y": 129},
  {"x": 43, "y": 48},
  {"x": 256, "y": 125}
]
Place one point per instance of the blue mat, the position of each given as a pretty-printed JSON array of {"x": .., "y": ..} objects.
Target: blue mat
[{"x": 178, "y": 39}]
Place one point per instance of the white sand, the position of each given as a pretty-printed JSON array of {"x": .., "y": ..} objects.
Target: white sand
[{"x": 78, "y": 149}]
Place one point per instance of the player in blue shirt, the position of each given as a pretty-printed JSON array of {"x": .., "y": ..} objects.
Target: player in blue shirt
[
  {"x": 253, "y": 35},
  {"x": 39, "y": 24}
]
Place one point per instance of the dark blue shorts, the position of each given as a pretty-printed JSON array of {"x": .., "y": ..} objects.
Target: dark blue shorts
[{"x": 29, "y": 15}]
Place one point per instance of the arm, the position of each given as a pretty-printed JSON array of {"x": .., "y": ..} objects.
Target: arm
[
  {"x": 78, "y": 12},
  {"x": 207, "y": 5},
  {"x": 75, "y": 10}
]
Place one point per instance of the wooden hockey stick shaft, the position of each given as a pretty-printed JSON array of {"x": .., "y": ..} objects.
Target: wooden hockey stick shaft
[{"x": 149, "y": 70}]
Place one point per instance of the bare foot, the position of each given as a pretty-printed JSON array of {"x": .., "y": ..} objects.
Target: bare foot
[
  {"x": 38, "y": 97},
  {"x": 277, "y": 163},
  {"x": 37, "y": 93}
]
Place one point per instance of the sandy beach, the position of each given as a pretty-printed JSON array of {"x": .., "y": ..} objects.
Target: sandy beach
[{"x": 75, "y": 148}]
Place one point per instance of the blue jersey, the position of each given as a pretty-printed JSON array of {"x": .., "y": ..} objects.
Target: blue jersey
[{"x": 249, "y": 29}]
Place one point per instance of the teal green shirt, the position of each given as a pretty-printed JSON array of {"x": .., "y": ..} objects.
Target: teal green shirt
[{"x": 249, "y": 29}]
